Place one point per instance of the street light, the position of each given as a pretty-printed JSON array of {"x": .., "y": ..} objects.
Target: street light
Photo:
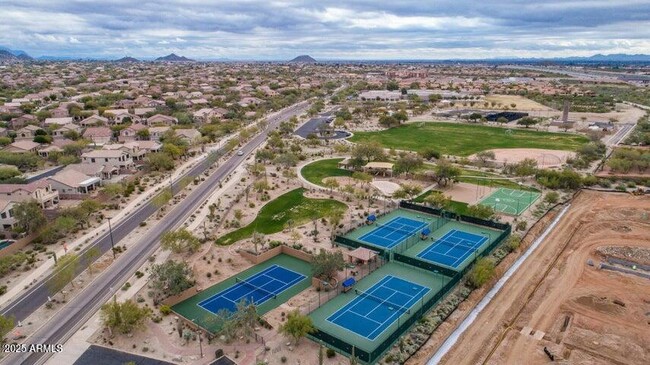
[{"x": 110, "y": 233}]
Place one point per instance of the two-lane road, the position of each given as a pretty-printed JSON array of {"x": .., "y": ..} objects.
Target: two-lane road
[{"x": 77, "y": 311}]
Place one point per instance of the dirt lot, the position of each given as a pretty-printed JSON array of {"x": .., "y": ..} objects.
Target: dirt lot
[
  {"x": 606, "y": 313},
  {"x": 544, "y": 158},
  {"x": 521, "y": 102}
]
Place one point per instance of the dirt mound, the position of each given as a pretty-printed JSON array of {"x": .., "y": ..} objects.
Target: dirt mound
[{"x": 601, "y": 304}]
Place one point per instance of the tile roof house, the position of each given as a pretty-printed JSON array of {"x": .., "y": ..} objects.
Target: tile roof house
[
  {"x": 99, "y": 135},
  {"x": 21, "y": 121},
  {"x": 70, "y": 183},
  {"x": 22, "y": 147},
  {"x": 103, "y": 172},
  {"x": 27, "y": 132},
  {"x": 93, "y": 120},
  {"x": 118, "y": 158},
  {"x": 40, "y": 190},
  {"x": 160, "y": 119},
  {"x": 46, "y": 151},
  {"x": 130, "y": 133},
  {"x": 118, "y": 116},
  {"x": 155, "y": 133},
  {"x": 190, "y": 135},
  {"x": 60, "y": 132},
  {"x": 140, "y": 112},
  {"x": 58, "y": 121}
]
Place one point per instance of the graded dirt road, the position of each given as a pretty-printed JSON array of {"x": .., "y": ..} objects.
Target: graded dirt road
[{"x": 582, "y": 314}]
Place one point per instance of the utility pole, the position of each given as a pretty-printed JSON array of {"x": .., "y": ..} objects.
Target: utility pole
[{"x": 110, "y": 233}]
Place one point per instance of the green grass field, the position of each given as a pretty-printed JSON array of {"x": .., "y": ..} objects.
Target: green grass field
[
  {"x": 273, "y": 217},
  {"x": 456, "y": 207},
  {"x": 466, "y": 139},
  {"x": 316, "y": 171}
]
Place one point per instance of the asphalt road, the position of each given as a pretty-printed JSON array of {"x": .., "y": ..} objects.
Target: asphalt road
[{"x": 80, "y": 308}]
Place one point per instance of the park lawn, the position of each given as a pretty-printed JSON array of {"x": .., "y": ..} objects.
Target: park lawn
[
  {"x": 456, "y": 207},
  {"x": 466, "y": 139},
  {"x": 273, "y": 217},
  {"x": 316, "y": 171}
]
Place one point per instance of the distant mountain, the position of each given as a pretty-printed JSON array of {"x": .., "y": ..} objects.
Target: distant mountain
[
  {"x": 7, "y": 56},
  {"x": 173, "y": 58},
  {"x": 15, "y": 52},
  {"x": 127, "y": 59},
  {"x": 303, "y": 59},
  {"x": 14, "y": 55},
  {"x": 618, "y": 57}
]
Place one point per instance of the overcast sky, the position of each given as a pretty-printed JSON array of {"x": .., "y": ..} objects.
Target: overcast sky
[{"x": 365, "y": 29}]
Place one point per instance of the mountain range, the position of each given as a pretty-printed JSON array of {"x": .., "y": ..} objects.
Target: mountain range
[
  {"x": 303, "y": 59},
  {"x": 173, "y": 58},
  {"x": 12, "y": 55}
]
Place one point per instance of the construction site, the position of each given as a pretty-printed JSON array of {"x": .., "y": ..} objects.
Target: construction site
[{"x": 582, "y": 297}]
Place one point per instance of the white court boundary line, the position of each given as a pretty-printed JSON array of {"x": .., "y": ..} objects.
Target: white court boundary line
[{"x": 453, "y": 338}]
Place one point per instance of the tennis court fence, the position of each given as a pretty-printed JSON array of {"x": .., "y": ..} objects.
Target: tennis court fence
[
  {"x": 324, "y": 296},
  {"x": 455, "y": 277},
  {"x": 356, "y": 244},
  {"x": 417, "y": 311}
]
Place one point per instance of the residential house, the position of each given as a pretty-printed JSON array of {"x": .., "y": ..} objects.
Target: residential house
[
  {"x": 61, "y": 132},
  {"x": 194, "y": 102},
  {"x": 58, "y": 121},
  {"x": 7, "y": 219},
  {"x": 160, "y": 119},
  {"x": 40, "y": 190},
  {"x": 23, "y": 146},
  {"x": 141, "y": 112},
  {"x": 21, "y": 121},
  {"x": 104, "y": 172},
  {"x": 148, "y": 146},
  {"x": 46, "y": 151},
  {"x": 191, "y": 135},
  {"x": 70, "y": 183},
  {"x": 205, "y": 115},
  {"x": 155, "y": 133},
  {"x": 130, "y": 133},
  {"x": 27, "y": 132},
  {"x": 117, "y": 158},
  {"x": 93, "y": 120},
  {"x": 99, "y": 135},
  {"x": 122, "y": 147},
  {"x": 118, "y": 116},
  {"x": 251, "y": 100}
]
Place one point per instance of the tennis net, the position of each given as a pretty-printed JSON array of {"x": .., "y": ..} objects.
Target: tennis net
[
  {"x": 249, "y": 284},
  {"x": 400, "y": 230},
  {"x": 453, "y": 244},
  {"x": 382, "y": 301}
]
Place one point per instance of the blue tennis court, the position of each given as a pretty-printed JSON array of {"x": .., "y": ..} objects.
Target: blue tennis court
[
  {"x": 453, "y": 248},
  {"x": 257, "y": 289},
  {"x": 373, "y": 311},
  {"x": 391, "y": 233}
]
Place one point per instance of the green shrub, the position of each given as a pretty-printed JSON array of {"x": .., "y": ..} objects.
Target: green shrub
[
  {"x": 330, "y": 353},
  {"x": 482, "y": 272},
  {"x": 165, "y": 309}
]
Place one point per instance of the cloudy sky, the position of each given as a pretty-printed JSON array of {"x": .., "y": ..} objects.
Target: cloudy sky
[{"x": 364, "y": 29}]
